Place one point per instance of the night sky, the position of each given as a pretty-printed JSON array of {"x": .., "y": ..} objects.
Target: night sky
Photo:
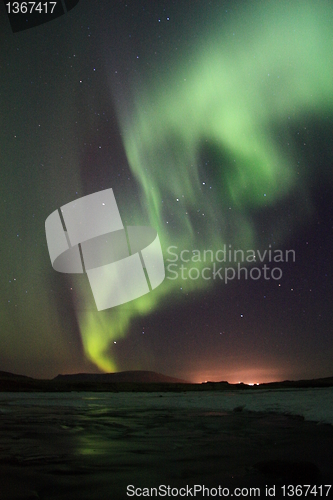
[{"x": 212, "y": 122}]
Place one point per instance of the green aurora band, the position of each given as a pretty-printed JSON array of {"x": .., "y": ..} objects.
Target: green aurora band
[{"x": 208, "y": 142}]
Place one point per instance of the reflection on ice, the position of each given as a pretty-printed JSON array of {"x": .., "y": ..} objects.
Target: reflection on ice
[
  {"x": 312, "y": 404},
  {"x": 90, "y": 446}
]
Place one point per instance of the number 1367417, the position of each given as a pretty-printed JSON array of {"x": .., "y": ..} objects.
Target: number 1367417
[{"x": 30, "y": 7}]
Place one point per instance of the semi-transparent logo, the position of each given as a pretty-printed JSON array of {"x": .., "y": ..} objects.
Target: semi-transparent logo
[{"x": 87, "y": 235}]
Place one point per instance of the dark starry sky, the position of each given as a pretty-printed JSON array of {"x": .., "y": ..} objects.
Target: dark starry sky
[{"x": 212, "y": 123}]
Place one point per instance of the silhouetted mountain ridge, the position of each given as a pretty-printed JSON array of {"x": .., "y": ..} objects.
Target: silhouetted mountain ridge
[
  {"x": 9, "y": 375},
  {"x": 134, "y": 376},
  {"x": 138, "y": 381}
]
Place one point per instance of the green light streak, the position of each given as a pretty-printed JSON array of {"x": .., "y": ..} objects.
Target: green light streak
[{"x": 223, "y": 103}]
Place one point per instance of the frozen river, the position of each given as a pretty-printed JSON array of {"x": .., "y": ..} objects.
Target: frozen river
[
  {"x": 312, "y": 404},
  {"x": 91, "y": 446}
]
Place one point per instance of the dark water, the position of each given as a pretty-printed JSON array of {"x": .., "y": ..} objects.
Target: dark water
[{"x": 87, "y": 446}]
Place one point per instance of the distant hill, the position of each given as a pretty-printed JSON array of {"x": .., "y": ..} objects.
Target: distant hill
[
  {"x": 12, "y": 382},
  {"x": 300, "y": 384},
  {"x": 138, "y": 381},
  {"x": 131, "y": 377},
  {"x": 12, "y": 376}
]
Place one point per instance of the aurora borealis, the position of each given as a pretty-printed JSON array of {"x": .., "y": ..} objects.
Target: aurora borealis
[{"x": 213, "y": 124}]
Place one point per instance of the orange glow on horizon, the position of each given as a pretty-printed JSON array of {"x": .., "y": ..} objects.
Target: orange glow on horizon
[{"x": 249, "y": 377}]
